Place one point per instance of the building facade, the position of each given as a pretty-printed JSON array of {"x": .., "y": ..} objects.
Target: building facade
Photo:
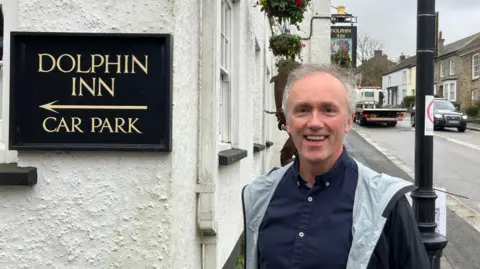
[
  {"x": 400, "y": 81},
  {"x": 180, "y": 209},
  {"x": 456, "y": 70}
]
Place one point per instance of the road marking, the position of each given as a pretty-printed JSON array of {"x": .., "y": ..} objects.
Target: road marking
[
  {"x": 470, "y": 215},
  {"x": 473, "y": 146}
]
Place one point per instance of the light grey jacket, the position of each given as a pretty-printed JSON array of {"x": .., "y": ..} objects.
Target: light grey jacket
[{"x": 375, "y": 196}]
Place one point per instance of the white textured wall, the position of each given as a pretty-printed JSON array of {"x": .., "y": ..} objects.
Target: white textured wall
[
  {"x": 138, "y": 210},
  {"x": 111, "y": 210},
  {"x": 319, "y": 45},
  {"x": 232, "y": 178}
]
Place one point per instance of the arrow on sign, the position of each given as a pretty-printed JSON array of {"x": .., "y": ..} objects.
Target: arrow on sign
[{"x": 54, "y": 107}]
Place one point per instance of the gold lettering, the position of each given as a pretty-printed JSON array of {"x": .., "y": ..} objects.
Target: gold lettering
[
  {"x": 126, "y": 64},
  {"x": 119, "y": 122},
  {"x": 96, "y": 87},
  {"x": 67, "y": 63},
  {"x": 71, "y": 126},
  {"x": 116, "y": 125},
  {"x": 94, "y": 64},
  {"x": 40, "y": 62},
  {"x": 144, "y": 66},
  {"x": 59, "y": 60},
  {"x": 45, "y": 124},
  {"x": 79, "y": 65},
  {"x": 131, "y": 125},
  {"x": 117, "y": 63}
]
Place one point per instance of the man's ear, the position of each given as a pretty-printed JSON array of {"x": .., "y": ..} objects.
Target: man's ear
[{"x": 349, "y": 122}]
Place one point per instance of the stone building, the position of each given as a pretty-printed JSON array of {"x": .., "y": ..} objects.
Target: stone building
[
  {"x": 457, "y": 70},
  {"x": 173, "y": 210}
]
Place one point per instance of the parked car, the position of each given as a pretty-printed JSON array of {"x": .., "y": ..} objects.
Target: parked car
[{"x": 445, "y": 114}]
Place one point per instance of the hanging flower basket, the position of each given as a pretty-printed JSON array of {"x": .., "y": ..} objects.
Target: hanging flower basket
[
  {"x": 285, "y": 10},
  {"x": 282, "y": 62},
  {"x": 286, "y": 44}
]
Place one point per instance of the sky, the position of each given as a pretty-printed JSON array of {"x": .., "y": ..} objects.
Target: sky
[{"x": 393, "y": 23}]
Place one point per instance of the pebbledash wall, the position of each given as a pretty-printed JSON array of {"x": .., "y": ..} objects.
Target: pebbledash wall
[{"x": 153, "y": 210}]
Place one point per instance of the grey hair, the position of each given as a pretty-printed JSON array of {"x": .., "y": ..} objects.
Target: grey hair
[{"x": 306, "y": 69}]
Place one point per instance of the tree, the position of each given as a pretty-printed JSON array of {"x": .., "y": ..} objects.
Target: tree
[{"x": 366, "y": 47}]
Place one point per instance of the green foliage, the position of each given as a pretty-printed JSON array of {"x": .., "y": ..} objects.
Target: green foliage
[
  {"x": 290, "y": 11},
  {"x": 409, "y": 101},
  {"x": 472, "y": 111},
  {"x": 282, "y": 62},
  {"x": 342, "y": 59},
  {"x": 286, "y": 44}
]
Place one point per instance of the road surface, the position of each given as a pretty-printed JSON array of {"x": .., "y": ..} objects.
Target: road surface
[
  {"x": 456, "y": 156},
  {"x": 463, "y": 249}
]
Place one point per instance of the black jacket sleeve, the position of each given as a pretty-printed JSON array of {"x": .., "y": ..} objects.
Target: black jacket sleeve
[{"x": 405, "y": 246}]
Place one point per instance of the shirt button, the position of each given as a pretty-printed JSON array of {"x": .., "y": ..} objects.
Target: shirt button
[
  {"x": 310, "y": 199},
  {"x": 327, "y": 184},
  {"x": 301, "y": 234},
  {"x": 298, "y": 183}
]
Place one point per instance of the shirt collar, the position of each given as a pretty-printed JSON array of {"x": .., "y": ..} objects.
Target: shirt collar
[{"x": 326, "y": 177}]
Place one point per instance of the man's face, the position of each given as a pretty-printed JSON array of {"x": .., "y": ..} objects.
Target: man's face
[{"x": 318, "y": 117}]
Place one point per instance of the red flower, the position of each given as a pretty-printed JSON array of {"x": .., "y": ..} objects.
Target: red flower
[{"x": 299, "y": 3}]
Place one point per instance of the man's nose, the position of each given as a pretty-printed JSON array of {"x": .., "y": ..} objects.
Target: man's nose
[{"x": 316, "y": 120}]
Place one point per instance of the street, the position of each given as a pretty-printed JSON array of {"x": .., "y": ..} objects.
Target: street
[
  {"x": 456, "y": 156},
  {"x": 456, "y": 168}
]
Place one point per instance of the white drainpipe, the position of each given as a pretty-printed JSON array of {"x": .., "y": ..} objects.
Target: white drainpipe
[{"x": 207, "y": 153}]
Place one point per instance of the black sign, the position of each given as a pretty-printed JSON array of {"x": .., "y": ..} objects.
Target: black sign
[
  {"x": 344, "y": 38},
  {"x": 87, "y": 91}
]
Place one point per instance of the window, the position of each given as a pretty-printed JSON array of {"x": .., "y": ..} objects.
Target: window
[
  {"x": 476, "y": 66},
  {"x": 389, "y": 80},
  {"x": 476, "y": 95},
  {"x": 442, "y": 69},
  {"x": 224, "y": 95},
  {"x": 452, "y": 67},
  {"x": 450, "y": 90},
  {"x": 442, "y": 104},
  {"x": 369, "y": 94},
  {"x": 404, "y": 74}
]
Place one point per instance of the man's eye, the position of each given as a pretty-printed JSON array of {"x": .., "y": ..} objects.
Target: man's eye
[{"x": 302, "y": 110}]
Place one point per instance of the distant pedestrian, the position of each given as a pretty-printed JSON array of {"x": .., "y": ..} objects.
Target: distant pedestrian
[{"x": 325, "y": 210}]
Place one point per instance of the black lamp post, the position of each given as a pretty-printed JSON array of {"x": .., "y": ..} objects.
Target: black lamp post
[{"x": 424, "y": 197}]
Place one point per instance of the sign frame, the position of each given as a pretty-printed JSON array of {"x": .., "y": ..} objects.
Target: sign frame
[{"x": 165, "y": 145}]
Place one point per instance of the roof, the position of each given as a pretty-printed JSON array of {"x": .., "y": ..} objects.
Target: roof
[
  {"x": 407, "y": 63},
  {"x": 457, "y": 45}
]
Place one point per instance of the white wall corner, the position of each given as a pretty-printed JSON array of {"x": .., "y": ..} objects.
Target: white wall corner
[
  {"x": 10, "y": 16},
  {"x": 320, "y": 39}
]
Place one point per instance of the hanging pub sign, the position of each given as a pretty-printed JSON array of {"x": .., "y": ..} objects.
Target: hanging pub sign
[
  {"x": 344, "y": 38},
  {"x": 91, "y": 91}
]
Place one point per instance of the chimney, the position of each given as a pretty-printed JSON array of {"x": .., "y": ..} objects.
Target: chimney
[
  {"x": 402, "y": 57},
  {"x": 440, "y": 41},
  {"x": 378, "y": 53}
]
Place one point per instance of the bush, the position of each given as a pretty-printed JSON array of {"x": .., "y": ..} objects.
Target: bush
[
  {"x": 409, "y": 101},
  {"x": 472, "y": 111}
]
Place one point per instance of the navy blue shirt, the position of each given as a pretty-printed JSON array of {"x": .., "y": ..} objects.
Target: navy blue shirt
[{"x": 310, "y": 228}]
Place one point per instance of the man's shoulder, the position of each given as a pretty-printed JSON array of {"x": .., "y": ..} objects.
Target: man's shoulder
[
  {"x": 370, "y": 174},
  {"x": 269, "y": 179}
]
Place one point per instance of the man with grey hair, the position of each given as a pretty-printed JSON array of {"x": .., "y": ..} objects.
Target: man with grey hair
[{"x": 325, "y": 209}]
